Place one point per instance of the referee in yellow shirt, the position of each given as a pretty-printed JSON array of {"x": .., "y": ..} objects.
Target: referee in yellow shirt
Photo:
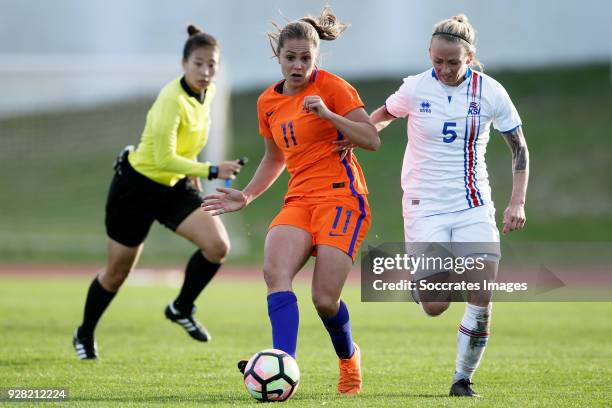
[{"x": 160, "y": 180}]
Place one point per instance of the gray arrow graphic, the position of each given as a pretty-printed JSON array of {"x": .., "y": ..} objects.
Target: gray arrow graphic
[{"x": 547, "y": 281}]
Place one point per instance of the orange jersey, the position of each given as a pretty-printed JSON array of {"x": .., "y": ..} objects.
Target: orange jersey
[{"x": 306, "y": 140}]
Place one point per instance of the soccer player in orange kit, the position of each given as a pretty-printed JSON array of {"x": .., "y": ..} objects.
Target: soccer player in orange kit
[{"x": 310, "y": 121}]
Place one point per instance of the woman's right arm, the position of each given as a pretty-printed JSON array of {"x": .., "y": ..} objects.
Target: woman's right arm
[
  {"x": 398, "y": 103},
  {"x": 381, "y": 118},
  {"x": 271, "y": 166},
  {"x": 165, "y": 123}
]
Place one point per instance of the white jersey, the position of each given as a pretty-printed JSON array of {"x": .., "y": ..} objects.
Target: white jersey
[{"x": 444, "y": 166}]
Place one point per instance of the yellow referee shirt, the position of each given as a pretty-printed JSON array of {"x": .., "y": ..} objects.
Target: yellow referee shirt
[{"x": 175, "y": 133}]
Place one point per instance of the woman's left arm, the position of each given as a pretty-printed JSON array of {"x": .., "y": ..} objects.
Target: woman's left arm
[
  {"x": 355, "y": 125},
  {"x": 514, "y": 215}
]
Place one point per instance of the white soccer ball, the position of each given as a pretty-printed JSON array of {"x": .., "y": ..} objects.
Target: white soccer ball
[{"x": 271, "y": 375}]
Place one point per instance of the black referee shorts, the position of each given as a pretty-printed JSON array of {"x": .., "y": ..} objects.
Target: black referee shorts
[{"x": 134, "y": 201}]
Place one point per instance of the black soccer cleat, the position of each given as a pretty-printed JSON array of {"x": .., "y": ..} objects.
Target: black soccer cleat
[
  {"x": 85, "y": 346},
  {"x": 188, "y": 322},
  {"x": 242, "y": 365},
  {"x": 462, "y": 388}
]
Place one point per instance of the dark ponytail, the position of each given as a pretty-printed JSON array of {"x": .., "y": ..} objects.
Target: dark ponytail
[
  {"x": 193, "y": 30},
  {"x": 197, "y": 39}
]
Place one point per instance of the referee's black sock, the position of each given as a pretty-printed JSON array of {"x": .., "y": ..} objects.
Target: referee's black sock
[
  {"x": 97, "y": 301},
  {"x": 198, "y": 273}
]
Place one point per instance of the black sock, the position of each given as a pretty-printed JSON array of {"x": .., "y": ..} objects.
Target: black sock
[
  {"x": 97, "y": 301},
  {"x": 198, "y": 273}
]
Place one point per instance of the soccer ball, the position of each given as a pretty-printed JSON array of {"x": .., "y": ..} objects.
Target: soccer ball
[{"x": 271, "y": 375}]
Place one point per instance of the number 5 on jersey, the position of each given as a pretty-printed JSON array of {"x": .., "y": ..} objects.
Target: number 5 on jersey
[
  {"x": 284, "y": 126},
  {"x": 446, "y": 131}
]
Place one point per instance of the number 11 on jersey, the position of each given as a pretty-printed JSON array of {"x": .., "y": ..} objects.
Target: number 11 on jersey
[{"x": 284, "y": 128}]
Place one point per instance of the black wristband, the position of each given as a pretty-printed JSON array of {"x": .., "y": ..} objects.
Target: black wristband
[{"x": 213, "y": 172}]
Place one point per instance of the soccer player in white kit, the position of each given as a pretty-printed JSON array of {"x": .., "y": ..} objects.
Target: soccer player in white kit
[{"x": 450, "y": 109}]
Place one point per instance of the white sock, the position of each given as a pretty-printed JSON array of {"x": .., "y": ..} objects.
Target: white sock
[{"x": 472, "y": 339}]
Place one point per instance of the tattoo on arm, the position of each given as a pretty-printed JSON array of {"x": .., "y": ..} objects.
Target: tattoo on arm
[{"x": 520, "y": 155}]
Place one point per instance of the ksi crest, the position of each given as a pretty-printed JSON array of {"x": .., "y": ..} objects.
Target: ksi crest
[{"x": 474, "y": 109}]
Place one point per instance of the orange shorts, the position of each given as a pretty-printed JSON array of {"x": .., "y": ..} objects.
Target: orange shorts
[{"x": 338, "y": 221}]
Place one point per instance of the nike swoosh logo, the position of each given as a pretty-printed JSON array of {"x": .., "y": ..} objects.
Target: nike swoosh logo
[{"x": 268, "y": 114}]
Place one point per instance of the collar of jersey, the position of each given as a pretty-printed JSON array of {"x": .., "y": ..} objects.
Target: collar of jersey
[
  {"x": 188, "y": 91},
  {"x": 468, "y": 73}
]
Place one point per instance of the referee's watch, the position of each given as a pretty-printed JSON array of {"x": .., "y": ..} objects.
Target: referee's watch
[{"x": 213, "y": 172}]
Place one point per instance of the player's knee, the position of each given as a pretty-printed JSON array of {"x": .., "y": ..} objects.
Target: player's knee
[
  {"x": 114, "y": 275},
  {"x": 276, "y": 279},
  {"x": 435, "y": 308},
  {"x": 216, "y": 250},
  {"x": 326, "y": 305}
]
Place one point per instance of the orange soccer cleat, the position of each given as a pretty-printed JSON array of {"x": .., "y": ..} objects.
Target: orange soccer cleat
[{"x": 349, "y": 382}]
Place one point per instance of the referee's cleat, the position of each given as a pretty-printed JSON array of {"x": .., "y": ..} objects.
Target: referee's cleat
[
  {"x": 242, "y": 365},
  {"x": 188, "y": 322},
  {"x": 85, "y": 346},
  {"x": 462, "y": 388}
]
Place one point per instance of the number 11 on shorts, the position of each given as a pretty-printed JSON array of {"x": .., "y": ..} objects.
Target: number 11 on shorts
[{"x": 337, "y": 219}]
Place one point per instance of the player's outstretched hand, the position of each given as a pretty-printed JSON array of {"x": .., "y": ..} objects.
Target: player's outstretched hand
[
  {"x": 229, "y": 169},
  {"x": 345, "y": 147},
  {"x": 514, "y": 218},
  {"x": 228, "y": 201}
]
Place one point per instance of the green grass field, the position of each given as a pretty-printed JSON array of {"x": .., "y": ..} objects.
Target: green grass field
[{"x": 553, "y": 354}]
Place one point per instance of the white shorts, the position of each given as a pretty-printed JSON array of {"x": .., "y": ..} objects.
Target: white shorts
[{"x": 471, "y": 225}]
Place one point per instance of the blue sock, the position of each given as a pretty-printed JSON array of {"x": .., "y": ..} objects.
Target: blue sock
[
  {"x": 339, "y": 329},
  {"x": 285, "y": 319}
]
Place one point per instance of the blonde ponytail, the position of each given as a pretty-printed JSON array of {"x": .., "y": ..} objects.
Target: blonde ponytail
[{"x": 324, "y": 27}]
